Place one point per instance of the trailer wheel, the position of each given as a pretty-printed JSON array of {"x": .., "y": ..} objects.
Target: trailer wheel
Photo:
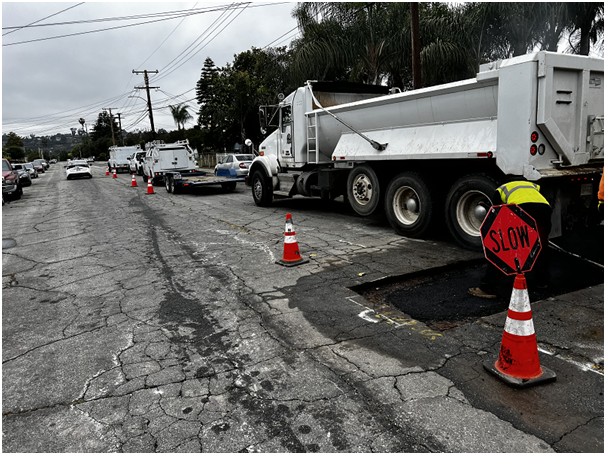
[
  {"x": 467, "y": 204},
  {"x": 261, "y": 189},
  {"x": 168, "y": 180},
  {"x": 363, "y": 190},
  {"x": 229, "y": 186},
  {"x": 409, "y": 205}
]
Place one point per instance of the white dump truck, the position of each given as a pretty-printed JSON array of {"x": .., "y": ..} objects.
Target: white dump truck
[
  {"x": 437, "y": 154},
  {"x": 119, "y": 157},
  {"x": 161, "y": 158}
]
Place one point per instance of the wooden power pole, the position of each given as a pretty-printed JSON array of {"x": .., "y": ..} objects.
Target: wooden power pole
[
  {"x": 111, "y": 122},
  {"x": 149, "y": 106}
]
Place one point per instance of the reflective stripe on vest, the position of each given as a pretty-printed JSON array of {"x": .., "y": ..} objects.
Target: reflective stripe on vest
[{"x": 520, "y": 193}]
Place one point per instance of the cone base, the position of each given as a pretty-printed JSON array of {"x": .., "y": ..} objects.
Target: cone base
[
  {"x": 292, "y": 263},
  {"x": 547, "y": 376}
]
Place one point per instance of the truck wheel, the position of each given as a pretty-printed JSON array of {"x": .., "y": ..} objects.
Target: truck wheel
[
  {"x": 145, "y": 179},
  {"x": 261, "y": 189},
  {"x": 169, "y": 184},
  {"x": 409, "y": 205},
  {"x": 363, "y": 190},
  {"x": 467, "y": 204},
  {"x": 230, "y": 186}
]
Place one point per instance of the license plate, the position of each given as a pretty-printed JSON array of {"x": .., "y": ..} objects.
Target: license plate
[{"x": 586, "y": 189}]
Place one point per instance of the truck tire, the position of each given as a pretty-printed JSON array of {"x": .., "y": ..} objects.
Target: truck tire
[
  {"x": 466, "y": 207},
  {"x": 261, "y": 189},
  {"x": 168, "y": 182},
  {"x": 409, "y": 205},
  {"x": 363, "y": 190},
  {"x": 145, "y": 179},
  {"x": 229, "y": 186}
]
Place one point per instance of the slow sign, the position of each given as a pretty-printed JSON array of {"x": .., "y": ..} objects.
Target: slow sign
[{"x": 510, "y": 239}]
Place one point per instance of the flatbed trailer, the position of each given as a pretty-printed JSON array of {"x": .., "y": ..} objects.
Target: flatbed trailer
[{"x": 177, "y": 182}]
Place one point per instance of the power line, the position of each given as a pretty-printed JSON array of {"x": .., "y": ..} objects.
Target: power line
[{"x": 14, "y": 29}]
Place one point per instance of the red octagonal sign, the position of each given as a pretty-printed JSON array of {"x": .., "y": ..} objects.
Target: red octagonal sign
[{"x": 510, "y": 239}]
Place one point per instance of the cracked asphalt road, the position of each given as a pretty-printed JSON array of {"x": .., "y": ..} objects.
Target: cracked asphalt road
[{"x": 161, "y": 323}]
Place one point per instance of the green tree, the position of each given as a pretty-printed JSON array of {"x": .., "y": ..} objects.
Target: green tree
[
  {"x": 14, "y": 140},
  {"x": 180, "y": 115},
  {"x": 103, "y": 127},
  {"x": 14, "y": 153},
  {"x": 586, "y": 25}
]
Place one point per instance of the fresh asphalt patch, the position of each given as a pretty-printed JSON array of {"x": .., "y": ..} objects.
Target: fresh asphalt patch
[{"x": 439, "y": 297}]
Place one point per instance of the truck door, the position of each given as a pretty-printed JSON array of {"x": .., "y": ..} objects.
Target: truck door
[{"x": 286, "y": 139}]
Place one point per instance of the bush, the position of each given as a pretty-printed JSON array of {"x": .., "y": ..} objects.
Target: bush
[{"x": 101, "y": 157}]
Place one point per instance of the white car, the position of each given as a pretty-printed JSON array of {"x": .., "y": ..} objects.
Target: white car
[{"x": 78, "y": 169}]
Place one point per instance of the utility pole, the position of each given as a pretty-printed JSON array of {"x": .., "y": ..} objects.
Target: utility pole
[
  {"x": 417, "y": 78},
  {"x": 120, "y": 123},
  {"x": 149, "y": 106},
  {"x": 111, "y": 121}
]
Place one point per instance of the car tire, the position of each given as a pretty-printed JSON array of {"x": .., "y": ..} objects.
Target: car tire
[
  {"x": 229, "y": 186},
  {"x": 467, "y": 204},
  {"x": 17, "y": 194},
  {"x": 363, "y": 190},
  {"x": 261, "y": 189}
]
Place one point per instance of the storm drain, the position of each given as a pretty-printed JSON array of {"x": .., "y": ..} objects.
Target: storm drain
[
  {"x": 8, "y": 243},
  {"x": 439, "y": 297}
]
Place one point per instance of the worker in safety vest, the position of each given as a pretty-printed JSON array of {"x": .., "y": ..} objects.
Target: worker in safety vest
[
  {"x": 528, "y": 197},
  {"x": 601, "y": 194}
]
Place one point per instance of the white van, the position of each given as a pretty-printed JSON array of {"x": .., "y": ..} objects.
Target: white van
[{"x": 161, "y": 158}]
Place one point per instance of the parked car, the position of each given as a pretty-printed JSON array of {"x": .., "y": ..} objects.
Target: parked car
[
  {"x": 53, "y": 161},
  {"x": 29, "y": 167},
  {"x": 24, "y": 177},
  {"x": 39, "y": 166},
  {"x": 11, "y": 183},
  {"x": 237, "y": 164},
  {"x": 45, "y": 164},
  {"x": 78, "y": 169}
]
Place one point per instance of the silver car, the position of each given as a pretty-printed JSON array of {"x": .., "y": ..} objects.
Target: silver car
[
  {"x": 234, "y": 166},
  {"x": 29, "y": 167}
]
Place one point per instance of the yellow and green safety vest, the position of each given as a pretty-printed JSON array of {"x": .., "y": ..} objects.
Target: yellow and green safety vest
[{"x": 521, "y": 192}]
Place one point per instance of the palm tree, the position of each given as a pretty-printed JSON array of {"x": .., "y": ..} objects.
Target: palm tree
[
  {"x": 586, "y": 26},
  {"x": 180, "y": 115}
]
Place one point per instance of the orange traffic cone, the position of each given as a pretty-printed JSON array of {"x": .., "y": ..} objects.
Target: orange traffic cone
[
  {"x": 107, "y": 170},
  {"x": 291, "y": 255},
  {"x": 133, "y": 184},
  {"x": 115, "y": 175},
  {"x": 150, "y": 187},
  {"x": 518, "y": 363}
]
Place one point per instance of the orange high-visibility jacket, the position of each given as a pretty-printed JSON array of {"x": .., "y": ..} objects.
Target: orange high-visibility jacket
[{"x": 601, "y": 190}]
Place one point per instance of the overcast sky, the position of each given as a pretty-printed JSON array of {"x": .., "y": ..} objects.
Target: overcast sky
[{"x": 48, "y": 84}]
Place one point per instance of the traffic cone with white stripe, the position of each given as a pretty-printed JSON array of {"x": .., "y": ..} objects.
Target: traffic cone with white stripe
[
  {"x": 291, "y": 256},
  {"x": 133, "y": 184},
  {"x": 150, "y": 187},
  {"x": 115, "y": 175},
  {"x": 518, "y": 363},
  {"x": 107, "y": 170}
]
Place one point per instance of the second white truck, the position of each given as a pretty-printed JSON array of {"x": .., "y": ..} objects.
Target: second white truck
[
  {"x": 437, "y": 154},
  {"x": 161, "y": 158}
]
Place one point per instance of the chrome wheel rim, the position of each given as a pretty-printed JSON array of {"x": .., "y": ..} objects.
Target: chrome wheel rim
[
  {"x": 406, "y": 205},
  {"x": 362, "y": 189},
  {"x": 469, "y": 210}
]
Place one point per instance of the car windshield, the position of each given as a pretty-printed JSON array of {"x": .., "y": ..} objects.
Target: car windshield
[
  {"x": 37, "y": 161},
  {"x": 17, "y": 166},
  {"x": 5, "y": 166},
  {"x": 29, "y": 165},
  {"x": 245, "y": 157}
]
